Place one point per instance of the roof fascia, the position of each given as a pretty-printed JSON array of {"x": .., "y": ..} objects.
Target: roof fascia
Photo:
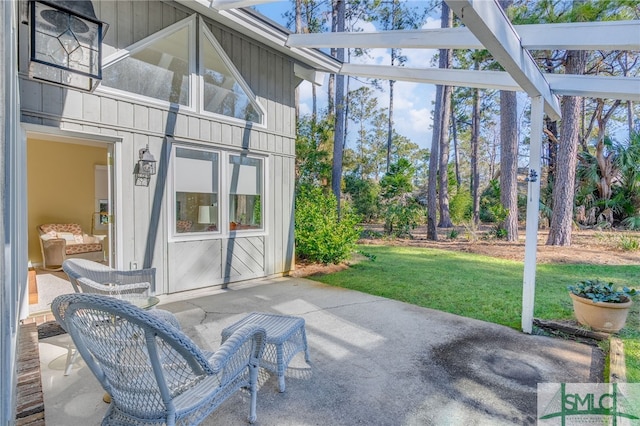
[
  {"x": 610, "y": 35},
  {"x": 487, "y": 21},
  {"x": 261, "y": 29}
]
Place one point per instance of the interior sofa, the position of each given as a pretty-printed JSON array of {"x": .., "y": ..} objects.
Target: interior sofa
[{"x": 61, "y": 241}]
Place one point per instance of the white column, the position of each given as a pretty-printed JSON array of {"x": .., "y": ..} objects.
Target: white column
[{"x": 533, "y": 203}]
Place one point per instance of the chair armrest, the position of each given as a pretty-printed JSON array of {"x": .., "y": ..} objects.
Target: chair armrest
[
  {"x": 231, "y": 359},
  {"x": 147, "y": 275},
  {"x": 165, "y": 316},
  {"x": 90, "y": 286},
  {"x": 52, "y": 242}
]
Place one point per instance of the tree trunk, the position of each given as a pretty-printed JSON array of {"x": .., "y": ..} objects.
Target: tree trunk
[
  {"x": 432, "y": 194},
  {"x": 338, "y": 143},
  {"x": 434, "y": 159},
  {"x": 454, "y": 133},
  {"x": 630, "y": 118},
  {"x": 475, "y": 142},
  {"x": 443, "y": 187},
  {"x": 509, "y": 162},
  {"x": 390, "y": 130},
  {"x": 564, "y": 185}
]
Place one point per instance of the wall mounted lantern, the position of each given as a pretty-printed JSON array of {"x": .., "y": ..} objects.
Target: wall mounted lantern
[
  {"x": 145, "y": 167},
  {"x": 66, "y": 43}
]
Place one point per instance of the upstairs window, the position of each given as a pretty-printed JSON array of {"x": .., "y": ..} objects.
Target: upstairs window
[
  {"x": 163, "y": 67},
  {"x": 224, "y": 91},
  {"x": 157, "y": 67}
]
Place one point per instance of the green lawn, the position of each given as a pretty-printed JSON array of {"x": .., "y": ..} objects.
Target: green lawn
[{"x": 482, "y": 287}]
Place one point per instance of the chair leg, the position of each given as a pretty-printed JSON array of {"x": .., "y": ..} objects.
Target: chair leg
[
  {"x": 72, "y": 356},
  {"x": 253, "y": 389}
]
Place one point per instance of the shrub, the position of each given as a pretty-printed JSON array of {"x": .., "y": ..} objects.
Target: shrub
[
  {"x": 632, "y": 222},
  {"x": 402, "y": 216},
  {"x": 365, "y": 195},
  {"x": 319, "y": 235},
  {"x": 629, "y": 243},
  {"x": 461, "y": 207}
]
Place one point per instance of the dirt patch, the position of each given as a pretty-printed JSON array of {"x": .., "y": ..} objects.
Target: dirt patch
[
  {"x": 587, "y": 246},
  {"x": 591, "y": 247}
]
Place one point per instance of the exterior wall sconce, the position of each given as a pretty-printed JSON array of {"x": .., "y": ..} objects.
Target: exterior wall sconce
[
  {"x": 66, "y": 43},
  {"x": 145, "y": 167}
]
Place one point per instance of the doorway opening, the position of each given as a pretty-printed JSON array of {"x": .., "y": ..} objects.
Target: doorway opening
[{"x": 70, "y": 204}]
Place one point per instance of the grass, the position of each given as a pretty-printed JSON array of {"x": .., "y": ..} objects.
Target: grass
[{"x": 482, "y": 287}]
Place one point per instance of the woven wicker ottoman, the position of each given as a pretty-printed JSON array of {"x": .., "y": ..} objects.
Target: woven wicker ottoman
[{"x": 286, "y": 337}]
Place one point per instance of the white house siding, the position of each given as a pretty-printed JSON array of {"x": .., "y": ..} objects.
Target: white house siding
[{"x": 143, "y": 221}]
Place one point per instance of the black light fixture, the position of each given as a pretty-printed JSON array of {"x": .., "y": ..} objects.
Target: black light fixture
[
  {"x": 145, "y": 167},
  {"x": 66, "y": 43}
]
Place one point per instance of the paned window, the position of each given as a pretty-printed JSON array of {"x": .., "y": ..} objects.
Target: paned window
[
  {"x": 196, "y": 191},
  {"x": 158, "y": 70},
  {"x": 223, "y": 89},
  {"x": 163, "y": 67},
  {"x": 244, "y": 175}
]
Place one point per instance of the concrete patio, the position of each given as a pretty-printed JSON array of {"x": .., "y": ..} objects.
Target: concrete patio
[{"x": 374, "y": 361}]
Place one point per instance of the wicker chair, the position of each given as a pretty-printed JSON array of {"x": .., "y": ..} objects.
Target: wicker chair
[
  {"x": 154, "y": 373},
  {"x": 92, "y": 277},
  {"x": 102, "y": 279}
]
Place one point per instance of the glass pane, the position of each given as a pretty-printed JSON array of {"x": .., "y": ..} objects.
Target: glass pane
[
  {"x": 245, "y": 212},
  {"x": 245, "y": 193},
  {"x": 196, "y": 191},
  {"x": 222, "y": 93},
  {"x": 245, "y": 175},
  {"x": 160, "y": 70}
]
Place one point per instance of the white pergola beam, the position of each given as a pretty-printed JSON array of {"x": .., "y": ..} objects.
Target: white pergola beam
[
  {"x": 496, "y": 80},
  {"x": 610, "y": 35},
  {"x": 623, "y": 88},
  {"x": 593, "y": 86},
  {"x": 235, "y": 4},
  {"x": 487, "y": 21},
  {"x": 436, "y": 38}
]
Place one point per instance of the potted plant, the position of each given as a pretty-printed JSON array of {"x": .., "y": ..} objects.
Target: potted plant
[{"x": 601, "y": 305}]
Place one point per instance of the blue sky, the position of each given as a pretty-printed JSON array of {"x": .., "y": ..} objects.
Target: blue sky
[{"x": 412, "y": 101}]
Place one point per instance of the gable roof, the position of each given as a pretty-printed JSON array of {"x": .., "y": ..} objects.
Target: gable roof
[{"x": 264, "y": 30}]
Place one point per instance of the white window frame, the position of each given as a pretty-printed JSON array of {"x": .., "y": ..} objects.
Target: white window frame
[
  {"x": 197, "y": 33},
  {"x": 206, "y": 33},
  {"x": 263, "y": 198},
  {"x": 200, "y": 235},
  {"x": 224, "y": 191},
  {"x": 189, "y": 22}
]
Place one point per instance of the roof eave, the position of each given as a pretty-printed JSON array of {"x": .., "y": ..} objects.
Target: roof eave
[{"x": 260, "y": 28}]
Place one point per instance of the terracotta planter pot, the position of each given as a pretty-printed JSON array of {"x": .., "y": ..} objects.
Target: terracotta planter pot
[{"x": 600, "y": 316}]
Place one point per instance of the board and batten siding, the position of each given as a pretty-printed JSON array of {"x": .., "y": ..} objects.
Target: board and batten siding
[{"x": 135, "y": 124}]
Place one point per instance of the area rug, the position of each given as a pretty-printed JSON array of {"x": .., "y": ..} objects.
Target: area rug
[
  {"x": 49, "y": 329},
  {"x": 50, "y": 285}
]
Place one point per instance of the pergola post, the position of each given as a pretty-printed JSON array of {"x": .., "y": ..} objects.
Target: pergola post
[{"x": 533, "y": 207}]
